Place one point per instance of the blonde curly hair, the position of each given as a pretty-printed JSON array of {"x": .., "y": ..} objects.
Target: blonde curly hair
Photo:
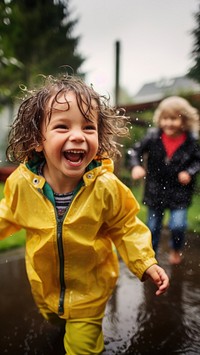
[
  {"x": 176, "y": 105},
  {"x": 25, "y": 134}
]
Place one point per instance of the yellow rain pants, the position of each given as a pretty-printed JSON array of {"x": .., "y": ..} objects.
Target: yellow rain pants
[{"x": 84, "y": 336}]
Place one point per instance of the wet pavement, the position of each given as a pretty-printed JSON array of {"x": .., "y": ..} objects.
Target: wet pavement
[{"x": 136, "y": 321}]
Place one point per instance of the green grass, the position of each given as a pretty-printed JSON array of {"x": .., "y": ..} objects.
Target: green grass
[
  {"x": 18, "y": 239},
  {"x": 14, "y": 241}
]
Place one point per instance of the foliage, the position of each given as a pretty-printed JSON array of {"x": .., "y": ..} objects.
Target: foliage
[
  {"x": 36, "y": 37},
  {"x": 194, "y": 72},
  {"x": 15, "y": 240},
  {"x": 139, "y": 122}
]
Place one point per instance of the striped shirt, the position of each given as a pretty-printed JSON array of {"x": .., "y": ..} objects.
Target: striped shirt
[{"x": 62, "y": 201}]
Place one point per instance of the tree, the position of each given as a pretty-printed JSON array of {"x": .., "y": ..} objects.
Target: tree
[
  {"x": 194, "y": 72},
  {"x": 36, "y": 38}
]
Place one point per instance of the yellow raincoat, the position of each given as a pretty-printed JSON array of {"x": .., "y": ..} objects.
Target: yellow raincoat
[{"x": 72, "y": 264}]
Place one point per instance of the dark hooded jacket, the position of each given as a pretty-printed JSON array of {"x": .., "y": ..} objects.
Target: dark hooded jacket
[{"x": 162, "y": 188}]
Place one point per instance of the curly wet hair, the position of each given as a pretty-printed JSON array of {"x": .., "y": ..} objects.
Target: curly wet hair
[{"x": 25, "y": 133}]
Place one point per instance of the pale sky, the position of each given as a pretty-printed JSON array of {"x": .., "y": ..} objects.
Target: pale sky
[{"x": 155, "y": 40}]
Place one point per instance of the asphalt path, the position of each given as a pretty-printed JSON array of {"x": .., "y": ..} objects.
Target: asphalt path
[{"x": 136, "y": 321}]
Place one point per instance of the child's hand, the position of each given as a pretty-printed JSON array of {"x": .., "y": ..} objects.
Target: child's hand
[
  {"x": 159, "y": 277},
  {"x": 184, "y": 178},
  {"x": 138, "y": 172}
]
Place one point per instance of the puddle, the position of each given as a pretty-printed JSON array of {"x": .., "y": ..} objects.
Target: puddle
[{"x": 136, "y": 321}]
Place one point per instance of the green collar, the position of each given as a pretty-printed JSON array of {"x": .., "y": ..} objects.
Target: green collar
[{"x": 34, "y": 164}]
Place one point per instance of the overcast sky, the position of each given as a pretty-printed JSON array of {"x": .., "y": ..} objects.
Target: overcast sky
[{"x": 154, "y": 37}]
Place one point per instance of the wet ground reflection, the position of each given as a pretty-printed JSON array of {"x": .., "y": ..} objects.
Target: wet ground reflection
[{"x": 136, "y": 322}]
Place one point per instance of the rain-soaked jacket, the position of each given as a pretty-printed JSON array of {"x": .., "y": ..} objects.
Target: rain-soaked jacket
[
  {"x": 72, "y": 263},
  {"x": 162, "y": 187}
]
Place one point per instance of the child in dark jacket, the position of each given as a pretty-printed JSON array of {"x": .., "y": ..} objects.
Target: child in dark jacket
[{"x": 173, "y": 160}]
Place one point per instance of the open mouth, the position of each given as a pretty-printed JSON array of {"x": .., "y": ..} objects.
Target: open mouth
[{"x": 74, "y": 156}]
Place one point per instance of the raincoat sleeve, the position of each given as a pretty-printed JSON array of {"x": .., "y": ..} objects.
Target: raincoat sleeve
[
  {"x": 8, "y": 225},
  {"x": 194, "y": 166},
  {"x": 130, "y": 235}
]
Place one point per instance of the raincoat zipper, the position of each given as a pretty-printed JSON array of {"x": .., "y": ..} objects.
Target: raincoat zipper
[
  {"x": 60, "y": 250},
  {"x": 61, "y": 255},
  {"x": 59, "y": 222},
  {"x": 61, "y": 261}
]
